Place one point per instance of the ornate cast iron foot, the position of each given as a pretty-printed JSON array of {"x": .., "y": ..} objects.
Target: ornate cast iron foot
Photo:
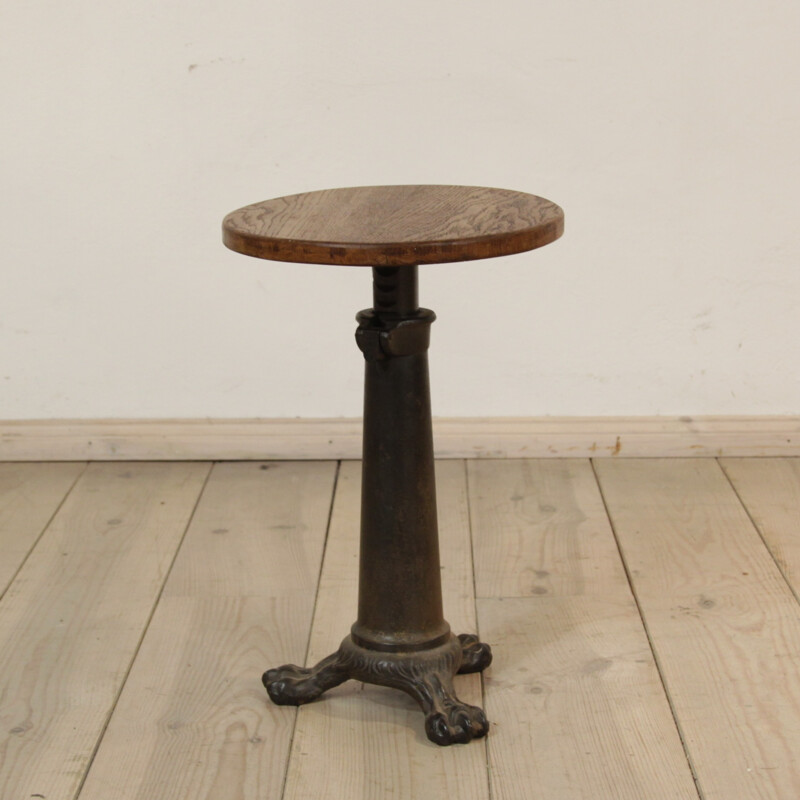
[
  {"x": 425, "y": 675},
  {"x": 292, "y": 686},
  {"x": 475, "y": 655},
  {"x": 447, "y": 719}
]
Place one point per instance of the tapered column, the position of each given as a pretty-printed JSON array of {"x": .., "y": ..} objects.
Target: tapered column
[
  {"x": 400, "y": 597},
  {"x": 400, "y": 638}
]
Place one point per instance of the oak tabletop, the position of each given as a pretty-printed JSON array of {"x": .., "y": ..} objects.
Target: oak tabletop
[{"x": 393, "y": 225}]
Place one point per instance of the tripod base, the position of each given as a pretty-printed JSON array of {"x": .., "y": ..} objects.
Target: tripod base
[{"x": 425, "y": 675}]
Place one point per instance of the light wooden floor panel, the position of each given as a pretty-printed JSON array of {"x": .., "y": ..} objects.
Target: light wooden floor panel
[
  {"x": 643, "y": 613},
  {"x": 724, "y": 624},
  {"x": 578, "y": 704},
  {"x": 193, "y": 703},
  {"x": 72, "y": 620},
  {"x": 540, "y": 529},
  {"x": 770, "y": 490},
  {"x": 29, "y": 496}
]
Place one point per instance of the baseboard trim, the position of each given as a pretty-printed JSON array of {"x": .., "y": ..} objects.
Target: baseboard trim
[{"x": 534, "y": 437}]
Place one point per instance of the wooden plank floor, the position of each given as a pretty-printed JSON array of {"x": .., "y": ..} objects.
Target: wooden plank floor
[{"x": 643, "y": 613}]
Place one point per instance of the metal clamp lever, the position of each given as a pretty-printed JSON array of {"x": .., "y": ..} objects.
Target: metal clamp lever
[{"x": 379, "y": 338}]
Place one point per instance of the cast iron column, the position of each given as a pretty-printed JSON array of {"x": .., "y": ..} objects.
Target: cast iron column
[
  {"x": 400, "y": 638},
  {"x": 400, "y": 595}
]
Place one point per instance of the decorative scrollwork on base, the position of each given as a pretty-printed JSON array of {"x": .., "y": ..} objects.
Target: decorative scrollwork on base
[{"x": 425, "y": 675}]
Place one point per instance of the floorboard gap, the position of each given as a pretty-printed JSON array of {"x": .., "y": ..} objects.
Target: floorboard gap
[{"x": 659, "y": 668}]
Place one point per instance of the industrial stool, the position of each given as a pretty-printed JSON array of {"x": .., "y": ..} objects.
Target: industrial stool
[{"x": 400, "y": 638}]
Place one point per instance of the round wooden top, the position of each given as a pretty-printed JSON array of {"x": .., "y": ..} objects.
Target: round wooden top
[{"x": 393, "y": 225}]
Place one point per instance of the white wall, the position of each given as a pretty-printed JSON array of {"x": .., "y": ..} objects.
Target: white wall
[{"x": 669, "y": 132}]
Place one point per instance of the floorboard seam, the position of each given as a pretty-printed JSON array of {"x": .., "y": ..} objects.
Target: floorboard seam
[
  {"x": 146, "y": 627},
  {"x": 477, "y": 629},
  {"x": 313, "y": 616},
  {"x": 759, "y": 532},
  {"x": 43, "y": 530},
  {"x": 659, "y": 669}
]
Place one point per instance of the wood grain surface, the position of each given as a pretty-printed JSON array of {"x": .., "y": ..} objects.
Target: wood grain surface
[
  {"x": 29, "y": 496},
  {"x": 72, "y": 620},
  {"x": 194, "y": 705},
  {"x": 723, "y": 623},
  {"x": 578, "y": 705},
  {"x": 770, "y": 489},
  {"x": 539, "y": 528},
  {"x": 393, "y": 225}
]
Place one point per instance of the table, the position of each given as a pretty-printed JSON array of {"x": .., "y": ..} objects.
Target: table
[{"x": 400, "y": 638}]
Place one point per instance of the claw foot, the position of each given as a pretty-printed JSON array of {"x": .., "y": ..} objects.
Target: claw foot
[
  {"x": 475, "y": 655},
  {"x": 426, "y": 675},
  {"x": 458, "y": 724},
  {"x": 292, "y": 686}
]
